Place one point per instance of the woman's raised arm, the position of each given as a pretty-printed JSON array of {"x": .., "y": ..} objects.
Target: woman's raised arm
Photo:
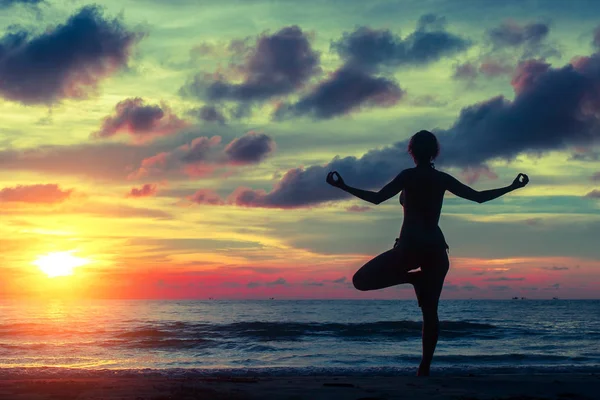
[{"x": 454, "y": 186}]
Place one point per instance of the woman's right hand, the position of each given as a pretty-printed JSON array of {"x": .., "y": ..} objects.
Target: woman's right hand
[
  {"x": 331, "y": 179},
  {"x": 518, "y": 183}
]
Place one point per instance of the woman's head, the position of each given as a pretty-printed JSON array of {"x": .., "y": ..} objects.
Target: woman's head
[{"x": 423, "y": 147}]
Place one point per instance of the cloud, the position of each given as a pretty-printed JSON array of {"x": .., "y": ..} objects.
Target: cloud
[
  {"x": 511, "y": 34},
  {"x": 528, "y": 38},
  {"x": 371, "y": 48},
  {"x": 553, "y": 109},
  {"x": 556, "y": 268},
  {"x": 141, "y": 121},
  {"x": 10, "y": 3},
  {"x": 40, "y": 193},
  {"x": 145, "y": 191},
  {"x": 596, "y": 177},
  {"x": 251, "y": 148},
  {"x": 347, "y": 90},
  {"x": 488, "y": 68},
  {"x": 596, "y": 39},
  {"x": 465, "y": 71},
  {"x": 278, "y": 64},
  {"x": 67, "y": 61},
  {"x": 209, "y": 114},
  {"x": 353, "y": 86},
  {"x": 206, "y": 196},
  {"x": 201, "y": 157},
  {"x": 594, "y": 194},
  {"x": 277, "y": 282},
  {"x": 313, "y": 283}
]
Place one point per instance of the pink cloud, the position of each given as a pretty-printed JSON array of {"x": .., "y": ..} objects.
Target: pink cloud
[
  {"x": 206, "y": 196},
  {"x": 146, "y": 190},
  {"x": 40, "y": 193},
  {"x": 141, "y": 121},
  {"x": 201, "y": 157}
]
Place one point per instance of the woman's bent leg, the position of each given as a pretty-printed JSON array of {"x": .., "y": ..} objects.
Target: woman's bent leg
[{"x": 387, "y": 269}]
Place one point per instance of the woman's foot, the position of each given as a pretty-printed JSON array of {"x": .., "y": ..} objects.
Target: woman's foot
[{"x": 423, "y": 370}]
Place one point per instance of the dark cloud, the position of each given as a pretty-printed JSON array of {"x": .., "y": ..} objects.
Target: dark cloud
[
  {"x": 146, "y": 190},
  {"x": 132, "y": 116},
  {"x": 594, "y": 194},
  {"x": 530, "y": 40},
  {"x": 251, "y": 148},
  {"x": 511, "y": 34},
  {"x": 465, "y": 71},
  {"x": 488, "y": 68},
  {"x": 9, "y": 3},
  {"x": 596, "y": 39},
  {"x": 370, "y": 48},
  {"x": 354, "y": 86},
  {"x": 278, "y": 64},
  {"x": 347, "y": 89},
  {"x": 40, "y": 193},
  {"x": 66, "y": 61},
  {"x": 209, "y": 114},
  {"x": 553, "y": 109}
]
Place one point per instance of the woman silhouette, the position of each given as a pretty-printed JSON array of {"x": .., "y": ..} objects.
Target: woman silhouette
[{"x": 421, "y": 242}]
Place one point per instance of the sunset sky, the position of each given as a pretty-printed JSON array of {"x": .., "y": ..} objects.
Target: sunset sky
[{"x": 180, "y": 148}]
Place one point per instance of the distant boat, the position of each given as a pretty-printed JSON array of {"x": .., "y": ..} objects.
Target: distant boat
[
  {"x": 271, "y": 298},
  {"x": 555, "y": 298},
  {"x": 522, "y": 298},
  {"x": 515, "y": 298}
]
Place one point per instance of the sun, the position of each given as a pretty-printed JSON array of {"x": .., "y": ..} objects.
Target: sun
[{"x": 59, "y": 263}]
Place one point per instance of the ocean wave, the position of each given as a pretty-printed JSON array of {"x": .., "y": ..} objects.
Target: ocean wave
[
  {"x": 228, "y": 373},
  {"x": 267, "y": 330}
]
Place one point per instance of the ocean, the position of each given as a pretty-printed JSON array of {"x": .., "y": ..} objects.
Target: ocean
[{"x": 289, "y": 337}]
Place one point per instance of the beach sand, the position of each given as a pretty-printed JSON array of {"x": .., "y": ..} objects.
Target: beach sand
[{"x": 579, "y": 386}]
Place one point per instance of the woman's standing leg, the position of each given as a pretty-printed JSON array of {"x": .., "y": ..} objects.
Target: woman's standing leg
[{"x": 434, "y": 270}]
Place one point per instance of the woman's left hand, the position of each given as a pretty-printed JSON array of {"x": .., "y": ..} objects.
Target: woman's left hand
[{"x": 331, "y": 179}]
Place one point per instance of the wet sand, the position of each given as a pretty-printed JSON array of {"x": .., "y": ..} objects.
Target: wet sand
[{"x": 579, "y": 386}]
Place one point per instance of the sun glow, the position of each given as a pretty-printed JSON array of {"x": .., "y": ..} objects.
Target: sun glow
[{"x": 59, "y": 263}]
